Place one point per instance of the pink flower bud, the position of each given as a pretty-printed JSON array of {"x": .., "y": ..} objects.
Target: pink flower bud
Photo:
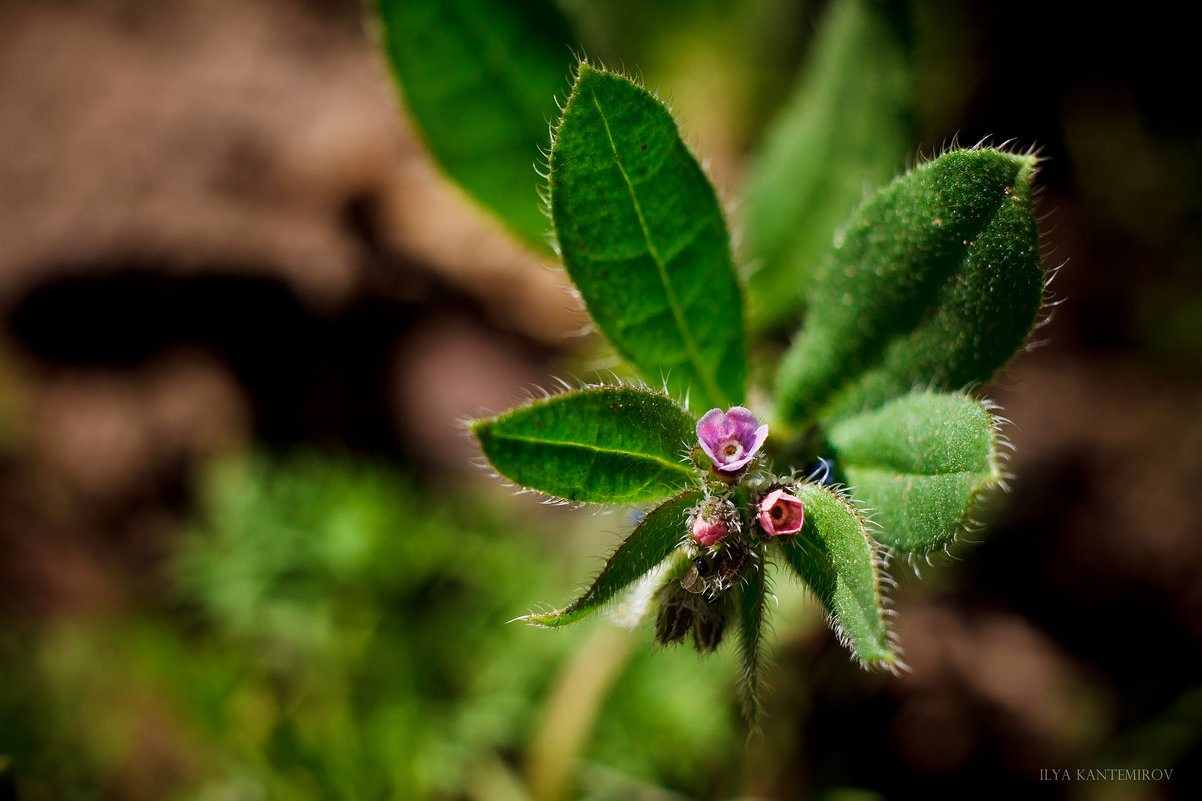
[
  {"x": 712, "y": 521},
  {"x": 708, "y": 530},
  {"x": 781, "y": 513}
]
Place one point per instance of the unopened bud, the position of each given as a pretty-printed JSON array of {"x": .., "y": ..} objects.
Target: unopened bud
[
  {"x": 709, "y": 531},
  {"x": 712, "y": 521},
  {"x": 709, "y": 627},
  {"x": 674, "y": 620}
]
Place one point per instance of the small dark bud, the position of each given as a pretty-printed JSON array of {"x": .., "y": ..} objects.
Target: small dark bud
[
  {"x": 708, "y": 629},
  {"x": 728, "y": 564},
  {"x": 674, "y": 621}
]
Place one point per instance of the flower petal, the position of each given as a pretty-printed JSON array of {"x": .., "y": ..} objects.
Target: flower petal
[
  {"x": 738, "y": 464},
  {"x": 711, "y": 430},
  {"x": 741, "y": 423},
  {"x": 761, "y": 434},
  {"x": 716, "y": 430}
]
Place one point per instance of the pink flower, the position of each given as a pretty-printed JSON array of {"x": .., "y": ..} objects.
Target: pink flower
[
  {"x": 781, "y": 513},
  {"x": 731, "y": 440}
]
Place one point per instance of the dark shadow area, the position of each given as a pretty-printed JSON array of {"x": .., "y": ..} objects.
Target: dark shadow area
[{"x": 314, "y": 378}]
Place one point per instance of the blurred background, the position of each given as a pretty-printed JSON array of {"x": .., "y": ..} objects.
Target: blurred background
[{"x": 245, "y": 554}]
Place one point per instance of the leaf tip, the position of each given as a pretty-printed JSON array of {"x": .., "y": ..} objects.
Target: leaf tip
[
  {"x": 480, "y": 429},
  {"x": 584, "y": 68},
  {"x": 538, "y": 621}
]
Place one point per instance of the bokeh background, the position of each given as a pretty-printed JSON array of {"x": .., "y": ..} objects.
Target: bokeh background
[{"x": 244, "y": 553}]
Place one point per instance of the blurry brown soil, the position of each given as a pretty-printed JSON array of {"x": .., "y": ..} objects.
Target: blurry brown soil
[
  {"x": 216, "y": 229},
  {"x": 262, "y": 135}
]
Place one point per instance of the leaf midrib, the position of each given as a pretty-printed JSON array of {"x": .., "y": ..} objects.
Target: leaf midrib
[
  {"x": 878, "y": 634},
  {"x": 699, "y": 364},
  {"x": 678, "y": 467}
]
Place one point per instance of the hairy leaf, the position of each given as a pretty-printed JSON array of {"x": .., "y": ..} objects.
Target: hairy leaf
[
  {"x": 845, "y": 130},
  {"x": 652, "y": 541},
  {"x": 600, "y": 445},
  {"x": 920, "y": 462},
  {"x": 642, "y": 236},
  {"x": 480, "y": 78},
  {"x": 752, "y": 609},
  {"x": 936, "y": 282},
  {"x": 836, "y": 556}
]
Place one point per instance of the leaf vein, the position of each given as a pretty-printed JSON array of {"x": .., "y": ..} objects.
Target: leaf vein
[
  {"x": 650, "y": 457},
  {"x": 699, "y": 365}
]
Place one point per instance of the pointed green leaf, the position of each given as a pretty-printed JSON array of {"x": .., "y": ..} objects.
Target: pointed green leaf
[
  {"x": 643, "y": 238},
  {"x": 836, "y": 556},
  {"x": 752, "y": 609},
  {"x": 599, "y": 445},
  {"x": 479, "y": 78},
  {"x": 652, "y": 541},
  {"x": 920, "y": 462},
  {"x": 936, "y": 282},
  {"x": 846, "y": 129}
]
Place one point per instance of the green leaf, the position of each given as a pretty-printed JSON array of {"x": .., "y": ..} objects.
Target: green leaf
[
  {"x": 652, "y": 541},
  {"x": 920, "y": 462},
  {"x": 643, "y": 238},
  {"x": 936, "y": 282},
  {"x": 480, "y": 78},
  {"x": 599, "y": 445},
  {"x": 752, "y": 609},
  {"x": 836, "y": 556},
  {"x": 845, "y": 129}
]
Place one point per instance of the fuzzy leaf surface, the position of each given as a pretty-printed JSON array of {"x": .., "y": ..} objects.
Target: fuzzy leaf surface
[
  {"x": 936, "y": 282},
  {"x": 643, "y": 238},
  {"x": 598, "y": 445},
  {"x": 751, "y": 611},
  {"x": 479, "y": 78},
  {"x": 651, "y": 542},
  {"x": 837, "y": 558},
  {"x": 845, "y": 129},
  {"x": 920, "y": 461}
]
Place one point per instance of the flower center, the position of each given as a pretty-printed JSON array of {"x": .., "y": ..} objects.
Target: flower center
[
  {"x": 733, "y": 449},
  {"x": 778, "y": 512}
]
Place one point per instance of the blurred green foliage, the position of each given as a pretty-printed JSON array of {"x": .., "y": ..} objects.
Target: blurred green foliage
[
  {"x": 844, "y": 131},
  {"x": 451, "y": 55},
  {"x": 336, "y": 633}
]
